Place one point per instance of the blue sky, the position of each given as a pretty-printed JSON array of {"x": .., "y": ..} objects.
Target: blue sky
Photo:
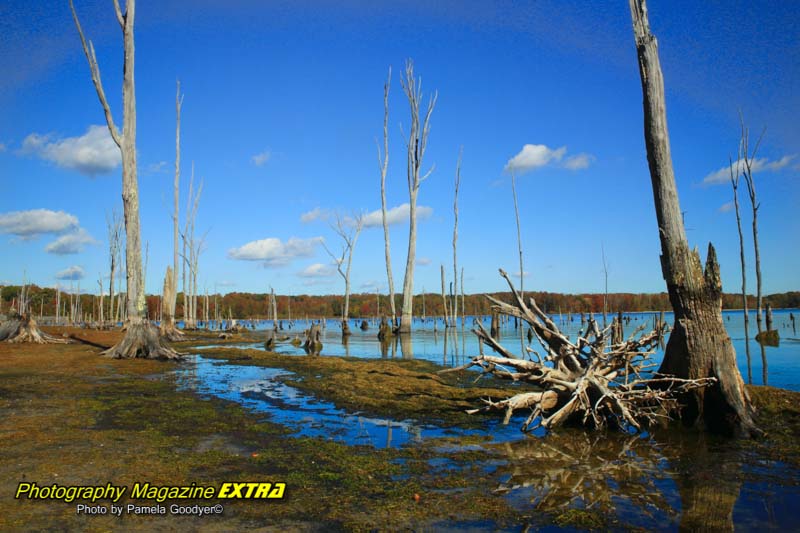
[{"x": 284, "y": 103}]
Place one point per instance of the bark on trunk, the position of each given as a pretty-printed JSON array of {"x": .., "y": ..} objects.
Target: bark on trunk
[
  {"x": 141, "y": 337},
  {"x": 698, "y": 346}
]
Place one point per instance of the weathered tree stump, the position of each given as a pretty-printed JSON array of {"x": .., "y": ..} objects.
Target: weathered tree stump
[
  {"x": 23, "y": 328},
  {"x": 313, "y": 342}
]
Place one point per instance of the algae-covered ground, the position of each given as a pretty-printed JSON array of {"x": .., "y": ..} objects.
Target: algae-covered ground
[{"x": 71, "y": 417}]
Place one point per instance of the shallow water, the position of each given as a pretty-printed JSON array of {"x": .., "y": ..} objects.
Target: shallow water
[
  {"x": 260, "y": 389},
  {"x": 459, "y": 344}
]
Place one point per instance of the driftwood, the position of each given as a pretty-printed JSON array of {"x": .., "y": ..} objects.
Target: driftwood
[
  {"x": 586, "y": 380},
  {"x": 23, "y": 328}
]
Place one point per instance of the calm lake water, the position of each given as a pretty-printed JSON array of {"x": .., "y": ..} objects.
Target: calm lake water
[
  {"x": 664, "y": 481},
  {"x": 782, "y": 368}
]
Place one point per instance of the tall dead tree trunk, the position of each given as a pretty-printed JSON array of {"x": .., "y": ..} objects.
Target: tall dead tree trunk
[
  {"x": 168, "y": 328},
  {"x": 747, "y": 172},
  {"x": 141, "y": 338},
  {"x": 735, "y": 184},
  {"x": 454, "y": 306},
  {"x": 417, "y": 143},
  {"x": 383, "y": 163},
  {"x": 698, "y": 346}
]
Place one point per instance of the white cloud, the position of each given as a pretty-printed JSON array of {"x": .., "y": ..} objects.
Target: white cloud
[
  {"x": 29, "y": 224},
  {"x": 92, "y": 153},
  {"x": 225, "y": 283},
  {"x": 372, "y": 285},
  {"x": 578, "y": 162},
  {"x": 423, "y": 261},
  {"x": 724, "y": 208},
  {"x": 525, "y": 274},
  {"x": 315, "y": 214},
  {"x": 73, "y": 273},
  {"x": 273, "y": 252},
  {"x": 3, "y": 147},
  {"x": 533, "y": 156},
  {"x": 762, "y": 164},
  {"x": 71, "y": 243},
  {"x": 261, "y": 158},
  {"x": 395, "y": 215},
  {"x": 317, "y": 270}
]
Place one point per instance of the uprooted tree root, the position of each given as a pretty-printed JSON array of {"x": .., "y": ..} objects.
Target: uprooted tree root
[
  {"x": 587, "y": 381},
  {"x": 141, "y": 340},
  {"x": 23, "y": 328}
]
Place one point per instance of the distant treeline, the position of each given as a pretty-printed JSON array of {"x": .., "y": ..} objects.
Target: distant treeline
[{"x": 252, "y": 305}]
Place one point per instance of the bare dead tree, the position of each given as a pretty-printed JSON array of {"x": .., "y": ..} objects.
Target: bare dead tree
[
  {"x": 747, "y": 159},
  {"x": 699, "y": 346},
  {"x": 445, "y": 310},
  {"x": 168, "y": 328},
  {"x": 102, "y": 294},
  {"x": 454, "y": 306},
  {"x": 734, "y": 175},
  {"x": 605, "y": 287},
  {"x": 141, "y": 338},
  {"x": 191, "y": 255},
  {"x": 114, "y": 225},
  {"x": 519, "y": 233},
  {"x": 383, "y": 164},
  {"x": 348, "y": 228},
  {"x": 416, "y": 145}
]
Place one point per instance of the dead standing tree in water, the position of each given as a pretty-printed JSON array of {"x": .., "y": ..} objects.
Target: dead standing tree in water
[
  {"x": 698, "y": 347},
  {"x": 383, "y": 163},
  {"x": 588, "y": 381},
  {"x": 416, "y": 145},
  {"x": 348, "y": 229},
  {"x": 141, "y": 338},
  {"x": 168, "y": 329}
]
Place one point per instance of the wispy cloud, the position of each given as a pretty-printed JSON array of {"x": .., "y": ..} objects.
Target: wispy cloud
[
  {"x": 225, "y": 283},
  {"x": 71, "y": 243},
  {"x": 372, "y": 285},
  {"x": 315, "y": 214},
  {"x": 3, "y": 147},
  {"x": 762, "y": 164},
  {"x": 395, "y": 215},
  {"x": 35, "y": 222},
  {"x": 91, "y": 154},
  {"x": 534, "y": 156},
  {"x": 261, "y": 159},
  {"x": 274, "y": 253},
  {"x": 317, "y": 270},
  {"x": 579, "y": 161},
  {"x": 423, "y": 261},
  {"x": 724, "y": 208},
  {"x": 73, "y": 273},
  {"x": 156, "y": 168}
]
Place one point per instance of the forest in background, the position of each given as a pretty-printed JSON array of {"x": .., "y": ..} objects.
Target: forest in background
[{"x": 255, "y": 305}]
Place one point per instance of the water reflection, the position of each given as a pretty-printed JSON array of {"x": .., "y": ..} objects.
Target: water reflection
[
  {"x": 676, "y": 479},
  {"x": 605, "y": 472}
]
